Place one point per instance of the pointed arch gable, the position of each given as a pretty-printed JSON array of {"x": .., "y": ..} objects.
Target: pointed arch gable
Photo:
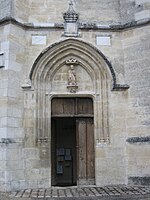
[{"x": 66, "y": 47}]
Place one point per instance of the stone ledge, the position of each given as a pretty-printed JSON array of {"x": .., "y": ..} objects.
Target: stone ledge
[
  {"x": 2, "y": 60},
  {"x": 85, "y": 25},
  {"x": 7, "y": 141},
  {"x": 139, "y": 180},
  {"x": 119, "y": 87},
  {"x": 133, "y": 140}
]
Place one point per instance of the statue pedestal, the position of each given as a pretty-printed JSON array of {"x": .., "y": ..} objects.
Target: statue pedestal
[{"x": 72, "y": 88}]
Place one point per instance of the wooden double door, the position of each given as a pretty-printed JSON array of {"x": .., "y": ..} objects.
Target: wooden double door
[{"x": 72, "y": 143}]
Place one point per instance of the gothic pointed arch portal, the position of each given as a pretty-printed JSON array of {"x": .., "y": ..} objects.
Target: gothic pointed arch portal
[
  {"x": 94, "y": 77},
  {"x": 72, "y": 69}
]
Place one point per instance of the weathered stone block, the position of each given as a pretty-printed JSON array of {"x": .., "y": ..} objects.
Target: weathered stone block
[
  {"x": 31, "y": 153},
  {"x": 15, "y": 175},
  {"x": 3, "y": 176},
  {"x": 14, "y": 154},
  {"x": 38, "y": 40},
  {"x": 15, "y": 165},
  {"x": 5, "y": 9},
  {"x": 139, "y": 180},
  {"x": 141, "y": 1},
  {"x": 100, "y": 153},
  {"x": 103, "y": 41},
  {"x": 2, "y": 164},
  {"x": 142, "y": 15}
]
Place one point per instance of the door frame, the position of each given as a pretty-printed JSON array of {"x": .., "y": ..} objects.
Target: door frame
[{"x": 92, "y": 97}]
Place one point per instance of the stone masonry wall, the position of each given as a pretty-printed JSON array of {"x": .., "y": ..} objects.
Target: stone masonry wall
[
  {"x": 50, "y": 11},
  {"x": 21, "y": 10},
  {"x": 129, "y": 111},
  {"x": 134, "y": 10},
  {"x": 23, "y": 157},
  {"x": 13, "y": 47},
  {"x": 136, "y": 45},
  {"x": 5, "y": 8},
  {"x": 127, "y": 11},
  {"x": 17, "y": 57},
  {"x": 4, "y": 49}
]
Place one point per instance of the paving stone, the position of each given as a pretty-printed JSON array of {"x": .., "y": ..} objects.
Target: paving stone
[
  {"x": 88, "y": 192},
  {"x": 102, "y": 191},
  {"x": 13, "y": 194},
  {"x": 41, "y": 193},
  {"x": 75, "y": 192},
  {"x": 20, "y": 193},
  {"x": 34, "y": 193},
  {"x": 119, "y": 190},
  {"x": 69, "y": 193},
  {"x": 61, "y": 193},
  {"x": 81, "y": 192},
  {"x": 94, "y": 190},
  {"x": 54, "y": 193},
  {"x": 48, "y": 193},
  {"x": 27, "y": 193}
]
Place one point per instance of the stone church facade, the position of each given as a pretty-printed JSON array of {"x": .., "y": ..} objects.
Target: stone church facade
[{"x": 74, "y": 93}]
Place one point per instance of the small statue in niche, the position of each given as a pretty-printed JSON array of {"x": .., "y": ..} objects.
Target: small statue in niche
[
  {"x": 72, "y": 81},
  {"x": 72, "y": 76}
]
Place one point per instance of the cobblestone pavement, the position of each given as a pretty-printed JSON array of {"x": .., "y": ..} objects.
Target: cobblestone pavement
[{"x": 104, "y": 193}]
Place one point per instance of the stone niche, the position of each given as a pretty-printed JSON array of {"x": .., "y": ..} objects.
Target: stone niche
[{"x": 84, "y": 81}]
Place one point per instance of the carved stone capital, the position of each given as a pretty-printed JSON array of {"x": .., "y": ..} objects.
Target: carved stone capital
[
  {"x": 26, "y": 84},
  {"x": 42, "y": 141}
]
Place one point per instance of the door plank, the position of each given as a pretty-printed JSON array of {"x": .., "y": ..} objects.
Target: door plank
[
  {"x": 84, "y": 106},
  {"x": 81, "y": 125},
  {"x": 86, "y": 155},
  {"x": 69, "y": 106},
  {"x": 72, "y": 107},
  {"x": 53, "y": 159},
  {"x": 90, "y": 149},
  {"x": 57, "y": 106}
]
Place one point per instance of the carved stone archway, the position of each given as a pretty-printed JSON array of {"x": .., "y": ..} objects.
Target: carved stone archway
[{"x": 95, "y": 78}]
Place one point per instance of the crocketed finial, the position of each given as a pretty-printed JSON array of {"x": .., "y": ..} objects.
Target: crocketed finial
[
  {"x": 71, "y": 6},
  {"x": 70, "y": 15}
]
